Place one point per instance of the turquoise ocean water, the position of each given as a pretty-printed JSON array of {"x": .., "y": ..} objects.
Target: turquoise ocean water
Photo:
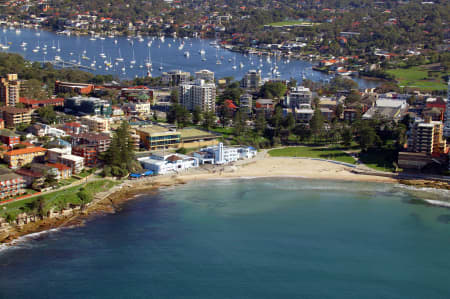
[{"x": 265, "y": 238}]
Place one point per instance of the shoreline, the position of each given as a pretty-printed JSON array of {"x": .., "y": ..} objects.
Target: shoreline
[{"x": 257, "y": 168}]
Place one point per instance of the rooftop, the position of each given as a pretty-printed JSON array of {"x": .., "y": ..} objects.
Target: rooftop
[
  {"x": 193, "y": 132},
  {"x": 24, "y": 151},
  {"x": 4, "y": 132},
  {"x": 155, "y": 129}
]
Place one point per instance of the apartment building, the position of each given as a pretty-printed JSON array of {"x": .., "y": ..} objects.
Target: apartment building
[
  {"x": 206, "y": 75},
  {"x": 427, "y": 137},
  {"x": 175, "y": 77},
  {"x": 9, "y": 90},
  {"x": 15, "y": 116},
  {"x": 11, "y": 184},
  {"x": 198, "y": 94},
  {"x": 157, "y": 137},
  {"x": 96, "y": 123},
  {"x": 251, "y": 80},
  {"x": 20, "y": 157},
  {"x": 298, "y": 96}
]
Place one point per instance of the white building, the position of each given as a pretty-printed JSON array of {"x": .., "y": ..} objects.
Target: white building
[
  {"x": 198, "y": 94},
  {"x": 167, "y": 163},
  {"x": 220, "y": 154},
  {"x": 51, "y": 131},
  {"x": 138, "y": 108},
  {"x": 206, "y": 75},
  {"x": 54, "y": 154},
  {"x": 74, "y": 162}
]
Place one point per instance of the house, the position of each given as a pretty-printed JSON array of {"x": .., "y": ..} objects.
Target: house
[
  {"x": 20, "y": 157},
  {"x": 63, "y": 172},
  {"x": 11, "y": 184}
]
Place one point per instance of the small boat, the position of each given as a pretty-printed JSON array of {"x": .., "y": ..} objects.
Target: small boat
[
  {"x": 120, "y": 57},
  {"x": 187, "y": 54}
]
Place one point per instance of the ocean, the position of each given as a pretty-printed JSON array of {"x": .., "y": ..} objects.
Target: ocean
[
  {"x": 245, "y": 238},
  {"x": 166, "y": 55}
]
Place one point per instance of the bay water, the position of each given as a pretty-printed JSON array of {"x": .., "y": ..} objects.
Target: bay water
[{"x": 245, "y": 238}]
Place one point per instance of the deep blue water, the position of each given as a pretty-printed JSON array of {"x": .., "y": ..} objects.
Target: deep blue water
[
  {"x": 166, "y": 54},
  {"x": 244, "y": 239}
]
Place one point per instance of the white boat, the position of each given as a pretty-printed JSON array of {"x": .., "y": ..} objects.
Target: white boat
[
  {"x": 202, "y": 52},
  {"x": 187, "y": 54},
  {"x": 115, "y": 41},
  {"x": 218, "y": 61},
  {"x": 241, "y": 65},
  {"x": 53, "y": 45},
  {"x": 133, "y": 61},
  {"x": 120, "y": 58},
  {"x": 59, "y": 48},
  {"x": 57, "y": 58}
]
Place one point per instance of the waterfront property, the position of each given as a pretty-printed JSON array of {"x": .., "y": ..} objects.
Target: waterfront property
[
  {"x": 162, "y": 163},
  {"x": 221, "y": 154}
]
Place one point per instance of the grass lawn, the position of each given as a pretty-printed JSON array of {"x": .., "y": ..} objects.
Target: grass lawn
[
  {"x": 58, "y": 198},
  {"x": 418, "y": 77},
  {"x": 313, "y": 152}
]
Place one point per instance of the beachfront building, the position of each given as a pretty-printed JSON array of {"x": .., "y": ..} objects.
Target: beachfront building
[
  {"x": 11, "y": 184},
  {"x": 163, "y": 163},
  {"x": 20, "y": 157},
  {"x": 197, "y": 94},
  {"x": 157, "y": 137},
  {"x": 9, "y": 90},
  {"x": 426, "y": 137},
  {"x": 221, "y": 154},
  {"x": 206, "y": 75}
]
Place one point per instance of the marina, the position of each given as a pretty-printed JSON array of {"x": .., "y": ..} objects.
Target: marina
[{"x": 130, "y": 57}]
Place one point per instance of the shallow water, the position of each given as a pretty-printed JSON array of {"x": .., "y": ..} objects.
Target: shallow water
[{"x": 261, "y": 238}]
